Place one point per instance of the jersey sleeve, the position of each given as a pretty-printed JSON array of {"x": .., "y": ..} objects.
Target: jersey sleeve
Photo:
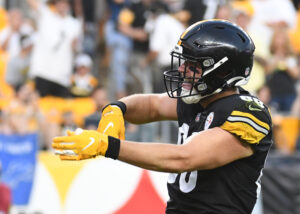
[{"x": 250, "y": 124}]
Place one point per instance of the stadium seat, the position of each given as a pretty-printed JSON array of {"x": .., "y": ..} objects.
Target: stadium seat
[
  {"x": 287, "y": 130},
  {"x": 54, "y": 107}
]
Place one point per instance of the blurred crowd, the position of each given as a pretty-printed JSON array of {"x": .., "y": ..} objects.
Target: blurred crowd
[{"x": 84, "y": 53}]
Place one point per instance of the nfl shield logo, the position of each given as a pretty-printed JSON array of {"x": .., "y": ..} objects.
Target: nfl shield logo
[
  {"x": 209, "y": 120},
  {"x": 197, "y": 117}
]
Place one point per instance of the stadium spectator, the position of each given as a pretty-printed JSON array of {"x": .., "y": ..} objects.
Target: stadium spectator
[
  {"x": 16, "y": 40},
  {"x": 83, "y": 82},
  {"x": 197, "y": 10},
  {"x": 224, "y": 132},
  {"x": 163, "y": 30},
  {"x": 295, "y": 32},
  {"x": 99, "y": 96},
  {"x": 10, "y": 36},
  {"x": 264, "y": 21},
  {"x": 296, "y": 106},
  {"x": 282, "y": 70},
  {"x": 264, "y": 95},
  {"x": 118, "y": 47},
  {"x": 5, "y": 196},
  {"x": 134, "y": 28},
  {"x": 224, "y": 11},
  {"x": 140, "y": 79},
  {"x": 85, "y": 11},
  {"x": 3, "y": 17},
  {"x": 22, "y": 115},
  {"x": 55, "y": 43},
  {"x": 68, "y": 122},
  {"x": 242, "y": 13}
]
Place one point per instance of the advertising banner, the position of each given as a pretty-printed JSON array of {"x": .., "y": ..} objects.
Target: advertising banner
[{"x": 18, "y": 158}]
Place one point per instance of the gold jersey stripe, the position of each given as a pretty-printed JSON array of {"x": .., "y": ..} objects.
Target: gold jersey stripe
[
  {"x": 249, "y": 122},
  {"x": 244, "y": 131},
  {"x": 250, "y": 116}
]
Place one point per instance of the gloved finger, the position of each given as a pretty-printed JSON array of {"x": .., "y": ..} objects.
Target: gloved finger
[
  {"x": 78, "y": 131},
  {"x": 63, "y": 145},
  {"x": 83, "y": 157},
  {"x": 108, "y": 110},
  {"x": 100, "y": 127},
  {"x": 75, "y": 157},
  {"x": 70, "y": 133},
  {"x": 65, "y": 152},
  {"x": 65, "y": 139},
  {"x": 66, "y": 157}
]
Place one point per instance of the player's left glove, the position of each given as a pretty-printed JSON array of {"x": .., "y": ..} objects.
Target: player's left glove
[
  {"x": 85, "y": 144},
  {"x": 112, "y": 120}
]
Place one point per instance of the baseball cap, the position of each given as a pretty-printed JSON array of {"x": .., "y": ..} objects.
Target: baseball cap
[
  {"x": 244, "y": 7},
  {"x": 83, "y": 60}
]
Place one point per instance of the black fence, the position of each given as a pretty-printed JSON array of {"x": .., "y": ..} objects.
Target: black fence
[{"x": 281, "y": 184}]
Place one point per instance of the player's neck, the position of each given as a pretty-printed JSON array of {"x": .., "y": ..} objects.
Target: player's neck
[{"x": 205, "y": 102}]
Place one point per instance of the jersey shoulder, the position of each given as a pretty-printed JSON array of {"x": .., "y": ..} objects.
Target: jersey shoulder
[{"x": 246, "y": 117}]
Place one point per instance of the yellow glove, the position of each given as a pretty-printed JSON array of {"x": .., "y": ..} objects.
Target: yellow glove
[
  {"x": 112, "y": 122},
  {"x": 85, "y": 144}
]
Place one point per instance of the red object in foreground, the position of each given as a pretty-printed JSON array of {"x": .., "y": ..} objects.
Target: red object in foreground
[
  {"x": 5, "y": 198},
  {"x": 144, "y": 200}
]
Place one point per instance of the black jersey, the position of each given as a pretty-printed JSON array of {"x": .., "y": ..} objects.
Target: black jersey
[{"x": 232, "y": 188}]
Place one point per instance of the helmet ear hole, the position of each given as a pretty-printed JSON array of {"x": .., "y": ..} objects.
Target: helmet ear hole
[
  {"x": 242, "y": 37},
  {"x": 220, "y": 27}
]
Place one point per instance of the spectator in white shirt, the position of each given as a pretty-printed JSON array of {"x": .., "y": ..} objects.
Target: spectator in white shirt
[
  {"x": 55, "y": 43},
  {"x": 164, "y": 31},
  {"x": 16, "y": 41}
]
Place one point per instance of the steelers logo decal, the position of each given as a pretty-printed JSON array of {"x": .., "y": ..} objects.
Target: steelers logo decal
[
  {"x": 247, "y": 71},
  {"x": 209, "y": 120},
  {"x": 197, "y": 119}
]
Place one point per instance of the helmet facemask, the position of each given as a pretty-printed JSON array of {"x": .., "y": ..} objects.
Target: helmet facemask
[{"x": 191, "y": 89}]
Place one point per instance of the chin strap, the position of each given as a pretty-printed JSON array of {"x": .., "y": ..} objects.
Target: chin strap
[
  {"x": 215, "y": 92},
  {"x": 197, "y": 97}
]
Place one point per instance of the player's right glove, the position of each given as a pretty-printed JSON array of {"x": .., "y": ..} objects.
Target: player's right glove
[
  {"x": 112, "y": 120},
  {"x": 86, "y": 144}
]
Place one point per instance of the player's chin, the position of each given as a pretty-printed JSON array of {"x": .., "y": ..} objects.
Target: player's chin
[{"x": 189, "y": 94}]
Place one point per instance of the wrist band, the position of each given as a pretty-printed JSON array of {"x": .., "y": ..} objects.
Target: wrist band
[
  {"x": 120, "y": 104},
  {"x": 113, "y": 149}
]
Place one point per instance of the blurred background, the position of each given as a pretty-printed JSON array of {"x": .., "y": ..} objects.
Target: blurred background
[{"x": 61, "y": 61}]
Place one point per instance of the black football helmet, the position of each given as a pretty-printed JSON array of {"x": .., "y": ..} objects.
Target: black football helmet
[{"x": 224, "y": 52}]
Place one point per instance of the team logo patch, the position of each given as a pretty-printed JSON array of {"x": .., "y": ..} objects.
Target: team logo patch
[
  {"x": 253, "y": 106},
  {"x": 209, "y": 120},
  {"x": 197, "y": 119}
]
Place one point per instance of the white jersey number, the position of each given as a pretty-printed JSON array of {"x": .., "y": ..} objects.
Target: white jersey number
[
  {"x": 187, "y": 180},
  {"x": 253, "y": 99}
]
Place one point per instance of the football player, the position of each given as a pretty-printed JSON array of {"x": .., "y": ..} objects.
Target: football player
[{"x": 224, "y": 132}]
